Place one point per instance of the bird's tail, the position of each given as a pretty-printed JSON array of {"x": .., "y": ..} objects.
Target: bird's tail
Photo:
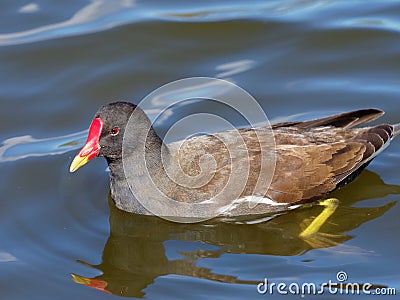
[{"x": 396, "y": 129}]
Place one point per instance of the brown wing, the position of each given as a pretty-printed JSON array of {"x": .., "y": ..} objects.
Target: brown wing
[
  {"x": 206, "y": 164},
  {"x": 310, "y": 160},
  {"x": 308, "y": 172},
  {"x": 318, "y": 164},
  {"x": 343, "y": 120}
]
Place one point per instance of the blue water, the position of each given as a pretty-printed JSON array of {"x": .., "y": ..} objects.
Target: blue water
[{"x": 299, "y": 59}]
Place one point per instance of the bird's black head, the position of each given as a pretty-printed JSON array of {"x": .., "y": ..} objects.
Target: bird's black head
[{"x": 106, "y": 133}]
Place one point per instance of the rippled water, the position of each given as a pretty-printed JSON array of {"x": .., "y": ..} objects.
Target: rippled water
[{"x": 299, "y": 59}]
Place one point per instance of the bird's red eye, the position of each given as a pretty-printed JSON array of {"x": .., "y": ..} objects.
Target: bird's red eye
[{"x": 114, "y": 131}]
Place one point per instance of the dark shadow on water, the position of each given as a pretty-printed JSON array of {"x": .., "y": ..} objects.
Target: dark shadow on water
[{"x": 135, "y": 253}]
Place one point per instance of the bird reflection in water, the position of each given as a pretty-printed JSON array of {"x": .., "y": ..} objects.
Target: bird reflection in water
[{"x": 135, "y": 253}]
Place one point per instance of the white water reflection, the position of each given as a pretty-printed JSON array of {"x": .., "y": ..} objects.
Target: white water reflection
[
  {"x": 350, "y": 84},
  {"x": 92, "y": 12},
  {"x": 29, "y": 8},
  {"x": 21, "y": 147},
  {"x": 7, "y": 257},
  {"x": 100, "y": 15},
  {"x": 234, "y": 67}
]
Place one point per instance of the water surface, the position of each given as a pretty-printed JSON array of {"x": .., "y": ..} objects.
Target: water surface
[{"x": 299, "y": 59}]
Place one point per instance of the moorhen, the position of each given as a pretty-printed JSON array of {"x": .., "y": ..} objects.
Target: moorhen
[{"x": 311, "y": 159}]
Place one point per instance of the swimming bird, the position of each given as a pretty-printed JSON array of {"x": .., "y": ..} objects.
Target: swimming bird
[{"x": 310, "y": 159}]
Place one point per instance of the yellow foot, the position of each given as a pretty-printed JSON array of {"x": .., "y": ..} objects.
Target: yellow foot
[{"x": 311, "y": 233}]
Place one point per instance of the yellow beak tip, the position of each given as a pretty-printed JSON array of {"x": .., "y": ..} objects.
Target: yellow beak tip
[
  {"x": 80, "y": 279},
  {"x": 78, "y": 162}
]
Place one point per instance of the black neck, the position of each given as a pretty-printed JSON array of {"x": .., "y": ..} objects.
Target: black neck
[{"x": 154, "y": 158}]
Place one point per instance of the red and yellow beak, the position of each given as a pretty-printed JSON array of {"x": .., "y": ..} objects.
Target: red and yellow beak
[{"x": 91, "y": 147}]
